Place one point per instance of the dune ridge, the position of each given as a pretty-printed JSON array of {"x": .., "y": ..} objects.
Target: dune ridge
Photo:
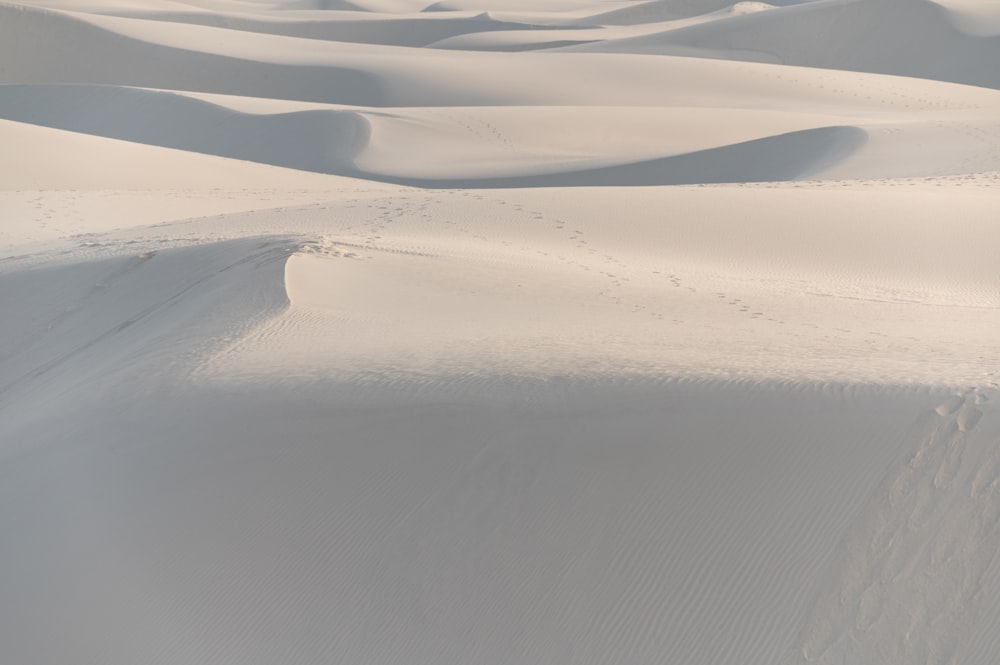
[
  {"x": 929, "y": 44},
  {"x": 324, "y": 141}
]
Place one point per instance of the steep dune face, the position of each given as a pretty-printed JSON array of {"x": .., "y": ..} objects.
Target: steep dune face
[
  {"x": 784, "y": 157},
  {"x": 342, "y": 26},
  {"x": 324, "y": 141},
  {"x": 329, "y": 140},
  {"x": 654, "y": 11},
  {"x": 337, "y": 332},
  {"x": 87, "y": 321},
  {"x": 115, "y": 57}
]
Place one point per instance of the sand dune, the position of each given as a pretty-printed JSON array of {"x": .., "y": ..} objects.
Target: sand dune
[
  {"x": 576, "y": 331},
  {"x": 129, "y": 52},
  {"x": 313, "y": 140},
  {"x": 918, "y": 38},
  {"x": 653, "y": 11},
  {"x": 526, "y": 146},
  {"x": 329, "y": 141},
  {"x": 410, "y": 30},
  {"x": 782, "y": 157}
]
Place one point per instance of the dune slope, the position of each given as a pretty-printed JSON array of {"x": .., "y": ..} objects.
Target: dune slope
[{"x": 917, "y": 38}]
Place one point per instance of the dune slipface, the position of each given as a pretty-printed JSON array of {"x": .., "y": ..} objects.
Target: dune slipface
[{"x": 573, "y": 332}]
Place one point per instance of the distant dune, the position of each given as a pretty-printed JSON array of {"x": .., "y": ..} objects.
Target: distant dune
[{"x": 917, "y": 38}]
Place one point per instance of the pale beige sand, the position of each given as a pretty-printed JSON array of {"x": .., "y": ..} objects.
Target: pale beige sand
[{"x": 380, "y": 331}]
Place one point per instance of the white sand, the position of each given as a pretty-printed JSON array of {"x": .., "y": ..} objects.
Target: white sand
[{"x": 552, "y": 332}]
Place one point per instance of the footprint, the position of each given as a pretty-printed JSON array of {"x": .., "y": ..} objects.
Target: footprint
[
  {"x": 950, "y": 405},
  {"x": 968, "y": 418}
]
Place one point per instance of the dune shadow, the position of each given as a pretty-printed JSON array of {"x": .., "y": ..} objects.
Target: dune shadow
[
  {"x": 111, "y": 58},
  {"x": 328, "y": 141},
  {"x": 323, "y": 141},
  {"x": 784, "y": 157}
]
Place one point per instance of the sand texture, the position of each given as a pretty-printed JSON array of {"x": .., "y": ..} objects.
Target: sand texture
[{"x": 568, "y": 332}]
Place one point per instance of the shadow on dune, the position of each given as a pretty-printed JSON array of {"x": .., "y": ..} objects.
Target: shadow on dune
[
  {"x": 324, "y": 141},
  {"x": 790, "y": 156},
  {"x": 402, "y": 31},
  {"x": 88, "y": 317},
  {"x": 75, "y": 51},
  {"x": 328, "y": 141},
  {"x": 655, "y": 11},
  {"x": 915, "y": 38}
]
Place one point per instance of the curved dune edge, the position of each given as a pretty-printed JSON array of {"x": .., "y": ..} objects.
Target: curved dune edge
[
  {"x": 152, "y": 308},
  {"x": 410, "y": 31},
  {"x": 330, "y": 141},
  {"x": 917, "y": 38},
  {"x": 790, "y": 156},
  {"x": 322, "y": 141}
]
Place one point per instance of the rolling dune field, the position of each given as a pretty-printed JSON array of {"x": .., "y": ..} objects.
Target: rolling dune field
[{"x": 569, "y": 332}]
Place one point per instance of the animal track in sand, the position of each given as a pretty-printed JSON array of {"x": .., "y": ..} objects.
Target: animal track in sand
[{"x": 328, "y": 248}]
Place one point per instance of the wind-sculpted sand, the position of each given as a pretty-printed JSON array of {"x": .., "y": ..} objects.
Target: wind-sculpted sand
[{"x": 575, "y": 332}]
